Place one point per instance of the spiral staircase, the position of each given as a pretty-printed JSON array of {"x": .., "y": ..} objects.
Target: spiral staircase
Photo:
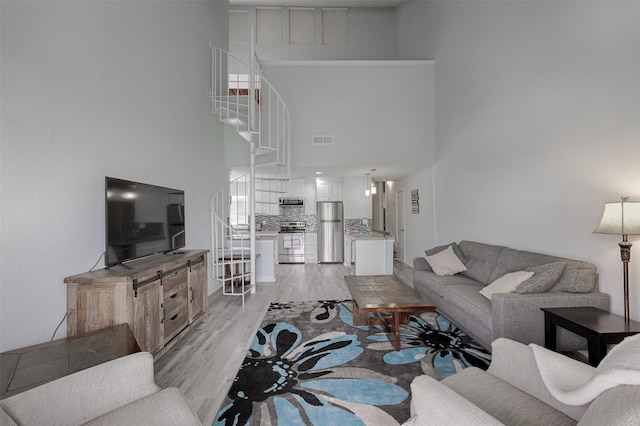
[{"x": 241, "y": 97}]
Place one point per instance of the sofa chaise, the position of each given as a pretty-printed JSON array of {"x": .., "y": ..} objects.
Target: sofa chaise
[
  {"x": 118, "y": 393},
  {"x": 530, "y": 385},
  {"x": 514, "y": 314}
]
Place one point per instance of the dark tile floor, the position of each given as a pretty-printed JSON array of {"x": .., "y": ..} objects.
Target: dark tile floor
[{"x": 27, "y": 367}]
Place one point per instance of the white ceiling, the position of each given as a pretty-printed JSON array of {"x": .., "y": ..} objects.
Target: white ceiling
[{"x": 318, "y": 3}]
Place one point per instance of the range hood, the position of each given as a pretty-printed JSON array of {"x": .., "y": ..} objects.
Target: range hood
[{"x": 291, "y": 201}]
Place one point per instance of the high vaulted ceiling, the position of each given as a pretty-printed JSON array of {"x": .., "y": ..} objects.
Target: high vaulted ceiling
[
  {"x": 383, "y": 171},
  {"x": 318, "y": 3}
]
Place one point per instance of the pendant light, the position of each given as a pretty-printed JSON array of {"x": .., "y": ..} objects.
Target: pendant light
[
  {"x": 374, "y": 190},
  {"x": 366, "y": 185}
]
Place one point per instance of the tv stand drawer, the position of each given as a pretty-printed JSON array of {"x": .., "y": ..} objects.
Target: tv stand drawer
[{"x": 174, "y": 324}]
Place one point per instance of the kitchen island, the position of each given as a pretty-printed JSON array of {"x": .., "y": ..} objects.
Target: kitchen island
[
  {"x": 369, "y": 253},
  {"x": 266, "y": 248},
  {"x": 265, "y": 254}
]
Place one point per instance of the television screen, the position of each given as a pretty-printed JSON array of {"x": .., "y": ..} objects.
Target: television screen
[{"x": 141, "y": 220}]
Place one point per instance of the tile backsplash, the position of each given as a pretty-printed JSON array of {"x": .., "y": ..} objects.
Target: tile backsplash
[
  {"x": 272, "y": 222},
  {"x": 291, "y": 214}
]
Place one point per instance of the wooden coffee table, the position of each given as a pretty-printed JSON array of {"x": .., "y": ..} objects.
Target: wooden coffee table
[{"x": 385, "y": 294}]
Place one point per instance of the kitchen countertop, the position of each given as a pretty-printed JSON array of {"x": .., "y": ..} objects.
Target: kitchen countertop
[
  {"x": 373, "y": 235},
  {"x": 260, "y": 235},
  {"x": 266, "y": 235}
]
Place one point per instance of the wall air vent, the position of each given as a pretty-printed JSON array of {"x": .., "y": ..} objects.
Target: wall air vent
[{"x": 322, "y": 140}]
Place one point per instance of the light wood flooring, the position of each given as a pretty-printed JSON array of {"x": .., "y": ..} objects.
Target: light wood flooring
[{"x": 204, "y": 363}]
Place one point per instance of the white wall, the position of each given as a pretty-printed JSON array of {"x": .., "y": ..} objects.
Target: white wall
[
  {"x": 356, "y": 204},
  {"x": 379, "y": 112},
  {"x": 419, "y": 230},
  {"x": 92, "y": 89},
  {"x": 372, "y": 36},
  {"x": 537, "y": 115}
]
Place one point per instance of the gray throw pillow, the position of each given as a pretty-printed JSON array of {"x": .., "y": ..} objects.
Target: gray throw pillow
[
  {"x": 544, "y": 277},
  {"x": 455, "y": 247}
]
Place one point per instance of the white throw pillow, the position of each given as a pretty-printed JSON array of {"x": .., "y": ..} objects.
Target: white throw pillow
[
  {"x": 506, "y": 283},
  {"x": 445, "y": 262}
]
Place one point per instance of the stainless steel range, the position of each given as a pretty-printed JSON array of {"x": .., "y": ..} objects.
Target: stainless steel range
[{"x": 291, "y": 242}]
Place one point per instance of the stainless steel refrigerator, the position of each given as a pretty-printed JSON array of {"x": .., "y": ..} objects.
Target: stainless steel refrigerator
[{"x": 330, "y": 232}]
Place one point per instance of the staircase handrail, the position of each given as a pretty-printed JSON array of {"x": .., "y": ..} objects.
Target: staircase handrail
[
  {"x": 231, "y": 253},
  {"x": 254, "y": 98}
]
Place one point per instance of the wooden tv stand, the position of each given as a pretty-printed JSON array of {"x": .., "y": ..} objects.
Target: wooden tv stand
[{"x": 161, "y": 297}]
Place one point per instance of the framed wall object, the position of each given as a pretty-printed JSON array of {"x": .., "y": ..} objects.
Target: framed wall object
[{"x": 415, "y": 201}]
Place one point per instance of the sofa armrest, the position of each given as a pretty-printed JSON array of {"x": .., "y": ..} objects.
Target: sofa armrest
[
  {"x": 518, "y": 316},
  {"x": 432, "y": 402},
  {"x": 82, "y": 396},
  {"x": 514, "y": 363}
]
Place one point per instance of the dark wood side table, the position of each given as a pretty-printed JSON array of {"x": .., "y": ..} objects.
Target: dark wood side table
[
  {"x": 599, "y": 327},
  {"x": 26, "y": 368}
]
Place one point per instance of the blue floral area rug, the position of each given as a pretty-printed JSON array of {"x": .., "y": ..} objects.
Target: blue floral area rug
[{"x": 309, "y": 365}]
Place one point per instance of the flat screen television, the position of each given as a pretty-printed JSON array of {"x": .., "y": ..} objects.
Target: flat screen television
[{"x": 141, "y": 220}]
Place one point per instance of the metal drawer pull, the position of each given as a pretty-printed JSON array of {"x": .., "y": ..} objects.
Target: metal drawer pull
[{"x": 174, "y": 317}]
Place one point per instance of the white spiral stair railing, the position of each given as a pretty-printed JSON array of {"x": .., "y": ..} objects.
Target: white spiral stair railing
[{"x": 243, "y": 98}]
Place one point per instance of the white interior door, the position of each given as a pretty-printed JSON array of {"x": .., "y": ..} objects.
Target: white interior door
[{"x": 400, "y": 240}]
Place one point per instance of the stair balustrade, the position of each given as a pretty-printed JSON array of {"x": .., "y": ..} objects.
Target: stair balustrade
[{"x": 243, "y": 98}]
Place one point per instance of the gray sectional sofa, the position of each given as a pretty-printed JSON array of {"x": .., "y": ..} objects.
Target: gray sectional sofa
[{"x": 516, "y": 316}]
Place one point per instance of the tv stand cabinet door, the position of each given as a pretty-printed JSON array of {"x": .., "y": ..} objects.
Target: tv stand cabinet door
[
  {"x": 92, "y": 307},
  {"x": 147, "y": 317},
  {"x": 198, "y": 291}
]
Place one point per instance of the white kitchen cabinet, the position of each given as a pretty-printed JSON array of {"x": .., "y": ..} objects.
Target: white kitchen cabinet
[
  {"x": 328, "y": 190},
  {"x": 310, "y": 197},
  {"x": 311, "y": 247},
  {"x": 268, "y": 191},
  {"x": 295, "y": 188}
]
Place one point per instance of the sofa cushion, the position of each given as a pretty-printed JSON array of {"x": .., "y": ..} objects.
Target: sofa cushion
[
  {"x": 435, "y": 283},
  {"x": 438, "y": 249},
  {"x": 506, "y": 283},
  {"x": 503, "y": 401},
  {"x": 167, "y": 407},
  {"x": 5, "y": 419},
  {"x": 445, "y": 262},
  {"x": 467, "y": 298},
  {"x": 578, "y": 276},
  {"x": 481, "y": 260},
  {"x": 545, "y": 276}
]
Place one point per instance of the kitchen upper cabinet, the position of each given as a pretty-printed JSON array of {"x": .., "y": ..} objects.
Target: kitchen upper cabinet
[
  {"x": 267, "y": 193},
  {"x": 328, "y": 190},
  {"x": 295, "y": 188}
]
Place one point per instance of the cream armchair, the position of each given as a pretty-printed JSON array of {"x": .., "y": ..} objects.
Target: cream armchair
[
  {"x": 513, "y": 391},
  {"x": 119, "y": 392}
]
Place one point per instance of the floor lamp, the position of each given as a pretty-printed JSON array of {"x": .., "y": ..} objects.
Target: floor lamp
[{"x": 622, "y": 218}]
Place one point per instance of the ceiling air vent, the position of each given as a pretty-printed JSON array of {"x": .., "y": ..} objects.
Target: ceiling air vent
[{"x": 322, "y": 140}]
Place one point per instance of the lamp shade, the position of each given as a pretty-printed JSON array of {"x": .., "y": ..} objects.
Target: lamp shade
[{"x": 620, "y": 218}]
